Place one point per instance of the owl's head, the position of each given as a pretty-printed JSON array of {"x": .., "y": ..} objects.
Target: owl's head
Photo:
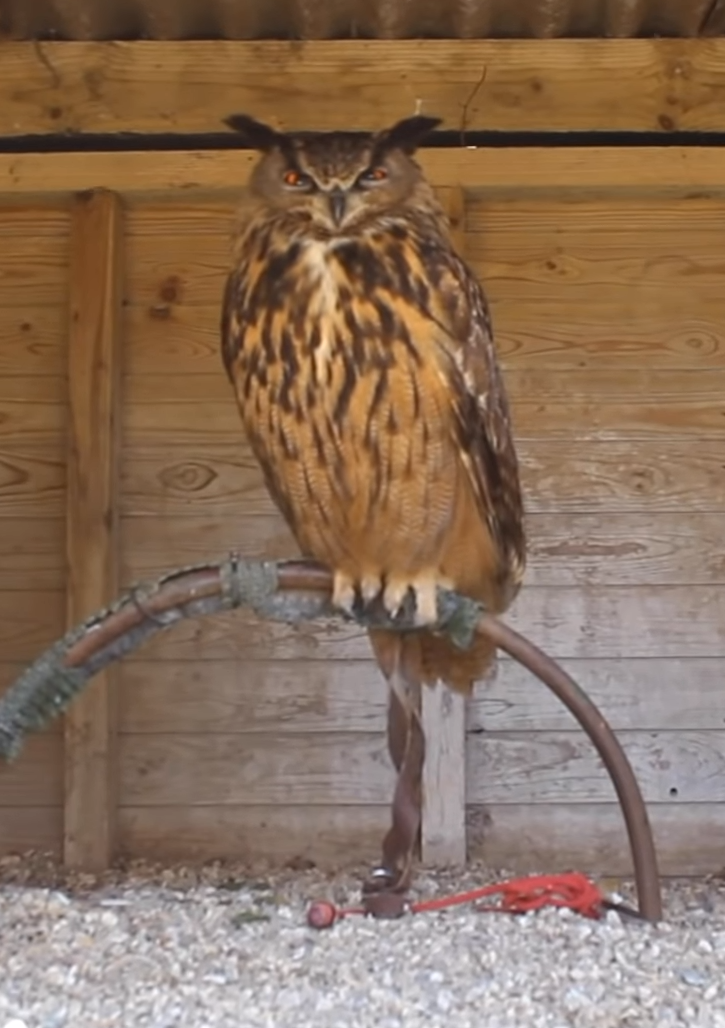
[{"x": 337, "y": 180}]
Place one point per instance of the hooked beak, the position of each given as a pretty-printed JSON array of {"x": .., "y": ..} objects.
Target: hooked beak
[{"x": 337, "y": 201}]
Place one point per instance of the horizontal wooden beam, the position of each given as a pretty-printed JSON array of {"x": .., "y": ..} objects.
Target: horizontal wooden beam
[
  {"x": 510, "y": 85},
  {"x": 531, "y": 837},
  {"x": 520, "y": 837},
  {"x": 670, "y": 171}
]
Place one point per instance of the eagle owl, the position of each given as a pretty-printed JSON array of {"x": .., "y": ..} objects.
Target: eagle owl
[{"x": 359, "y": 345}]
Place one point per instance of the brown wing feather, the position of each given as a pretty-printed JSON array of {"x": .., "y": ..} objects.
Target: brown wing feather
[
  {"x": 482, "y": 417},
  {"x": 477, "y": 396}
]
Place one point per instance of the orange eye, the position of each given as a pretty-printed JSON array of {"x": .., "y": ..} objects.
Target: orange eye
[
  {"x": 296, "y": 180},
  {"x": 372, "y": 176}
]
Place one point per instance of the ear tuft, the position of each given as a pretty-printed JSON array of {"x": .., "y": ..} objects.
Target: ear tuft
[
  {"x": 255, "y": 133},
  {"x": 407, "y": 135}
]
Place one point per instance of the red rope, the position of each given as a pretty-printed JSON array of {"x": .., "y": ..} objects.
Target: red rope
[{"x": 518, "y": 896}]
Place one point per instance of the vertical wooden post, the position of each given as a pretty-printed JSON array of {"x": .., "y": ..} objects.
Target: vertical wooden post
[
  {"x": 96, "y": 267},
  {"x": 443, "y": 830}
]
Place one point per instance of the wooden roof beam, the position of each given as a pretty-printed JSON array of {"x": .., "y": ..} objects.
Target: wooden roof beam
[{"x": 555, "y": 85}]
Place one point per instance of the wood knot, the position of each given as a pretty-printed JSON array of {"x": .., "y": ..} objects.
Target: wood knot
[
  {"x": 170, "y": 289},
  {"x": 187, "y": 477},
  {"x": 666, "y": 122}
]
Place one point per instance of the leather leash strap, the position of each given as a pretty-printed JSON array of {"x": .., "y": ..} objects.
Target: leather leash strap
[{"x": 384, "y": 892}]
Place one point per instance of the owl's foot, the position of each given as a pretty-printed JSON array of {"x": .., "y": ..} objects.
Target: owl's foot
[
  {"x": 346, "y": 590},
  {"x": 424, "y": 589},
  {"x": 351, "y": 595}
]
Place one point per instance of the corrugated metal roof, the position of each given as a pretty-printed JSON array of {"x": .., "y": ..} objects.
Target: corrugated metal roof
[{"x": 372, "y": 19}]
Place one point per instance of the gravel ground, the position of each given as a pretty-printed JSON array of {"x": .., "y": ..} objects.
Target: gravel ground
[{"x": 228, "y": 947}]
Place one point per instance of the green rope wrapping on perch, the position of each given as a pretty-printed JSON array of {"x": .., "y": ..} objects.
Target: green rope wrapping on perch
[{"x": 46, "y": 688}]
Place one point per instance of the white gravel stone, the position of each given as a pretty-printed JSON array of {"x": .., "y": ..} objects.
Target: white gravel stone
[{"x": 222, "y": 947}]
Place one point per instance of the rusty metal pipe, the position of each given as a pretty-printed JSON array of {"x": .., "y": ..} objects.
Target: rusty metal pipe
[
  {"x": 50, "y": 684},
  {"x": 644, "y": 856},
  {"x": 590, "y": 718}
]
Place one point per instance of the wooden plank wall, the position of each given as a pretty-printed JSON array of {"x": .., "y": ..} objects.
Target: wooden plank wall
[
  {"x": 34, "y": 248},
  {"x": 610, "y": 315},
  {"x": 257, "y": 739},
  {"x": 243, "y": 739}
]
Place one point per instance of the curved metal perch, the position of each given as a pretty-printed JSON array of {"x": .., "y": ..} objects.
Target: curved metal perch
[{"x": 297, "y": 591}]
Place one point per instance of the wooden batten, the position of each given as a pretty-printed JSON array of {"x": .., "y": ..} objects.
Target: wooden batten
[
  {"x": 443, "y": 829},
  {"x": 672, "y": 172},
  {"x": 96, "y": 268}
]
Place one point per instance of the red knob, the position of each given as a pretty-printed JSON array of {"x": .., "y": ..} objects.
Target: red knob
[{"x": 321, "y": 915}]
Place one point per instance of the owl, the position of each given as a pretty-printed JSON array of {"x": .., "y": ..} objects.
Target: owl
[{"x": 360, "y": 349}]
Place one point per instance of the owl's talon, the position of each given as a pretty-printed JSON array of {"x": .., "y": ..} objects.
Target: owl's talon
[
  {"x": 370, "y": 586},
  {"x": 418, "y": 598},
  {"x": 426, "y": 602},
  {"x": 343, "y": 592},
  {"x": 394, "y": 596}
]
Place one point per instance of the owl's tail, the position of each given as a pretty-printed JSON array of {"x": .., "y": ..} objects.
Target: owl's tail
[{"x": 428, "y": 658}]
